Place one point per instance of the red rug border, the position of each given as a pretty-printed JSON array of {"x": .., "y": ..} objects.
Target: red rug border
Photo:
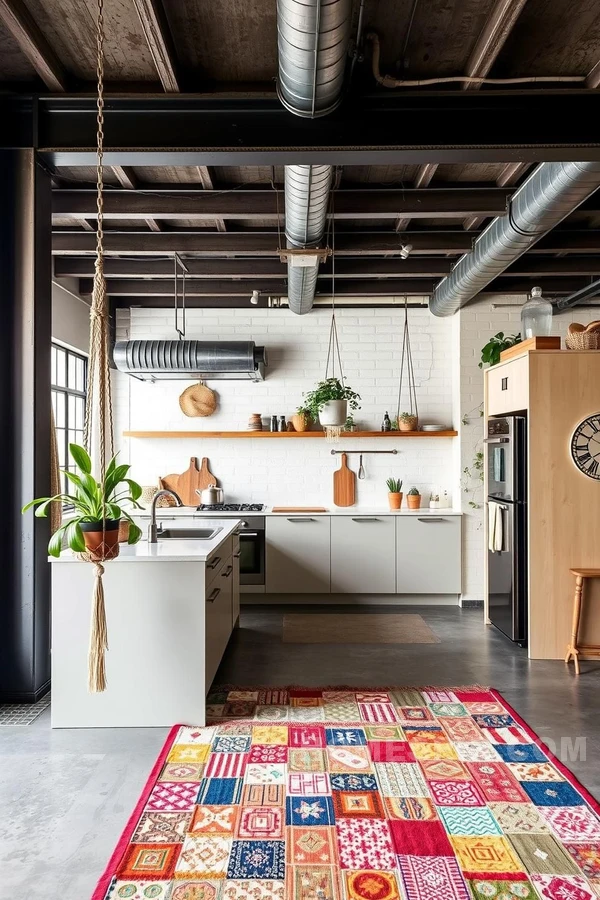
[
  {"x": 564, "y": 771},
  {"x": 124, "y": 840}
]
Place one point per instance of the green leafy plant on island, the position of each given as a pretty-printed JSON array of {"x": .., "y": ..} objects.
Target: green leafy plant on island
[
  {"x": 92, "y": 501},
  {"x": 329, "y": 389},
  {"x": 494, "y": 347}
]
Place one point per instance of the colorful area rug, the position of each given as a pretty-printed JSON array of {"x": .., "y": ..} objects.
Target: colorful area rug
[
  {"x": 391, "y": 794},
  {"x": 357, "y": 628}
]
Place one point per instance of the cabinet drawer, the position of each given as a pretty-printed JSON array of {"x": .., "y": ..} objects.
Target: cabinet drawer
[
  {"x": 218, "y": 622},
  {"x": 428, "y": 555},
  {"x": 218, "y": 559},
  {"x": 363, "y": 554},
  {"x": 508, "y": 387},
  {"x": 298, "y": 554}
]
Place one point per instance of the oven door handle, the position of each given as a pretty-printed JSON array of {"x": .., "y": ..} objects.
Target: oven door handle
[
  {"x": 496, "y": 440},
  {"x": 248, "y": 534}
]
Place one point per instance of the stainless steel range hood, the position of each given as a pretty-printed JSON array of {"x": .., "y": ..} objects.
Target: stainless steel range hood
[{"x": 185, "y": 360}]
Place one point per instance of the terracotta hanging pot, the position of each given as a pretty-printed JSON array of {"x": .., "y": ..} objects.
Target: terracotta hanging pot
[{"x": 102, "y": 543}]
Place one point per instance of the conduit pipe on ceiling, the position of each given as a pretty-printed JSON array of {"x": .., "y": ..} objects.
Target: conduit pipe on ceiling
[
  {"x": 551, "y": 193},
  {"x": 312, "y": 40}
]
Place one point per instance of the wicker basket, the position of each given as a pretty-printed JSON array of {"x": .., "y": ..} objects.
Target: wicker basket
[{"x": 579, "y": 338}]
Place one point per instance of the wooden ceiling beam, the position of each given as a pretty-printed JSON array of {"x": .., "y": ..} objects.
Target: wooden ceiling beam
[
  {"x": 24, "y": 29},
  {"x": 258, "y": 204},
  {"x": 153, "y": 225},
  {"x": 126, "y": 177},
  {"x": 160, "y": 42},
  {"x": 492, "y": 38},
  {"x": 508, "y": 177},
  {"x": 422, "y": 180}
]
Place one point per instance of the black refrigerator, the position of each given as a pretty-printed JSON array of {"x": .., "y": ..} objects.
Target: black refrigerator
[{"x": 506, "y": 508}]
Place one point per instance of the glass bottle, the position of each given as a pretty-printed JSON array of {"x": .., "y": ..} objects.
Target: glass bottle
[
  {"x": 536, "y": 315},
  {"x": 386, "y": 424}
]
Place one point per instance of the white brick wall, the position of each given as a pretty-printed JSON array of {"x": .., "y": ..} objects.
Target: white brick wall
[{"x": 300, "y": 471}]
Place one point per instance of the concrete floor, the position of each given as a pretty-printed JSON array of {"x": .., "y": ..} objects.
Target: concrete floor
[{"x": 65, "y": 796}]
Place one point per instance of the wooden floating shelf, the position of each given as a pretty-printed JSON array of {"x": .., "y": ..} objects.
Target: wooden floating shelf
[{"x": 288, "y": 434}]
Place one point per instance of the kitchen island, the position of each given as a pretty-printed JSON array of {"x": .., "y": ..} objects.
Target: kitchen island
[{"x": 170, "y": 610}]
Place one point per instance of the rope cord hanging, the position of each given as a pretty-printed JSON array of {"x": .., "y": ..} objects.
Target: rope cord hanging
[
  {"x": 99, "y": 418},
  {"x": 410, "y": 372},
  {"x": 332, "y": 432}
]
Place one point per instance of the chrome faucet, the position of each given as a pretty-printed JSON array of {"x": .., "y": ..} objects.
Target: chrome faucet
[{"x": 152, "y": 529}]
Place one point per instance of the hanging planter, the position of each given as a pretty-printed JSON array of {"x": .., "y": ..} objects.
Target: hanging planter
[
  {"x": 331, "y": 398},
  {"x": 408, "y": 420}
]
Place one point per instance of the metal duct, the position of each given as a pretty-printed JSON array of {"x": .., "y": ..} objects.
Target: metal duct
[
  {"x": 312, "y": 40},
  {"x": 306, "y": 201},
  {"x": 183, "y": 360},
  {"x": 551, "y": 193}
]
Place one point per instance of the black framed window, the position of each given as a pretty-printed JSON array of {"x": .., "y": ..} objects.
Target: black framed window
[{"x": 68, "y": 381}]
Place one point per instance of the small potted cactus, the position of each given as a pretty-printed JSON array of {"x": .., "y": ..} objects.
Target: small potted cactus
[
  {"x": 413, "y": 498},
  {"x": 394, "y": 486},
  {"x": 408, "y": 421}
]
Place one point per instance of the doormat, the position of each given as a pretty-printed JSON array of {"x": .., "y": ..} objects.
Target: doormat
[
  {"x": 12, "y": 714},
  {"x": 358, "y": 794},
  {"x": 356, "y": 628}
]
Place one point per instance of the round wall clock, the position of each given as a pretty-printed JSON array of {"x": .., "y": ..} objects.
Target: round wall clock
[{"x": 585, "y": 446}]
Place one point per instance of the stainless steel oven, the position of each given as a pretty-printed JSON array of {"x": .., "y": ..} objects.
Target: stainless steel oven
[
  {"x": 506, "y": 457},
  {"x": 252, "y": 550}
]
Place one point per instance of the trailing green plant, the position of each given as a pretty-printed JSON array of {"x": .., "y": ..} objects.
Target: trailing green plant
[
  {"x": 93, "y": 501},
  {"x": 394, "y": 485},
  {"x": 329, "y": 389},
  {"x": 414, "y": 493},
  {"x": 304, "y": 411},
  {"x": 473, "y": 478},
  {"x": 494, "y": 347}
]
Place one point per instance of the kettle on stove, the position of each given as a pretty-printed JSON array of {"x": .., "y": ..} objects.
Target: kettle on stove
[{"x": 211, "y": 495}]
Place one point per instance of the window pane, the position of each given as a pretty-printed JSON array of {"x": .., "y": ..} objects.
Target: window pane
[
  {"x": 60, "y": 438},
  {"x": 60, "y": 411},
  {"x": 61, "y": 368},
  {"x": 79, "y": 413},
  {"x": 80, "y": 375},
  {"x": 72, "y": 436},
  {"x": 71, "y": 408},
  {"x": 72, "y": 367},
  {"x": 53, "y": 366},
  {"x": 53, "y": 394}
]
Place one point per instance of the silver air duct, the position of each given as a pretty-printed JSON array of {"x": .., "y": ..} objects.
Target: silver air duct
[
  {"x": 312, "y": 40},
  {"x": 551, "y": 193},
  {"x": 184, "y": 360},
  {"x": 306, "y": 201}
]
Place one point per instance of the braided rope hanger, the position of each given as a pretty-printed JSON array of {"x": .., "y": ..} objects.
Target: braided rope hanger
[{"x": 99, "y": 416}]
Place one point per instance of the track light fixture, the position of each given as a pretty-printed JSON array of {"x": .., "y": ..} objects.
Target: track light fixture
[
  {"x": 254, "y": 298},
  {"x": 405, "y": 250}
]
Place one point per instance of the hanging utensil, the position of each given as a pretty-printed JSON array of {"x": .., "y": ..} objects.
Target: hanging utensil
[{"x": 361, "y": 469}]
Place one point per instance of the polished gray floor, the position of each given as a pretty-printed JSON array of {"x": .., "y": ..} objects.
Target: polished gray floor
[{"x": 66, "y": 795}]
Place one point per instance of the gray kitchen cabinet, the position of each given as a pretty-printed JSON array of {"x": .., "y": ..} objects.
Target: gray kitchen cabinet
[
  {"x": 428, "y": 554},
  {"x": 363, "y": 554},
  {"x": 219, "y": 598},
  {"x": 298, "y": 554}
]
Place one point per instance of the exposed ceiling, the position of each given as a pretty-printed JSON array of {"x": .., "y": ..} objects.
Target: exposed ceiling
[{"x": 225, "y": 220}]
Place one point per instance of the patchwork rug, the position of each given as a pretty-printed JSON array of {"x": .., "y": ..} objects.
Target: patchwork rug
[
  {"x": 391, "y": 794},
  {"x": 357, "y": 628}
]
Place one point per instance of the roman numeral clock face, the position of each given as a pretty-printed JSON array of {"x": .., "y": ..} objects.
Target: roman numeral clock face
[{"x": 585, "y": 446}]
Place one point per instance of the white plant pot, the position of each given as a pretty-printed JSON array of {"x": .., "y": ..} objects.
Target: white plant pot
[{"x": 335, "y": 412}]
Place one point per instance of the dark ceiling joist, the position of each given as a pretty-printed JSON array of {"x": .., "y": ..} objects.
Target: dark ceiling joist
[
  {"x": 262, "y": 243},
  {"x": 160, "y": 42},
  {"x": 508, "y": 177},
  {"x": 452, "y": 127},
  {"x": 211, "y": 205},
  {"x": 21, "y": 24}
]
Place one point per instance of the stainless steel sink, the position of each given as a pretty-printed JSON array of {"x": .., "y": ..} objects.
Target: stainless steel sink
[{"x": 189, "y": 534}]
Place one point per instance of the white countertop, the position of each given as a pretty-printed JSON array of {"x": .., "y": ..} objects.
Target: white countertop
[
  {"x": 170, "y": 550},
  {"x": 190, "y": 511}
]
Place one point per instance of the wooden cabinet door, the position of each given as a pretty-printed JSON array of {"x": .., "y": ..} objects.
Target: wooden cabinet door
[
  {"x": 363, "y": 554},
  {"x": 428, "y": 554},
  {"x": 508, "y": 387},
  {"x": 298, "y": 554}
]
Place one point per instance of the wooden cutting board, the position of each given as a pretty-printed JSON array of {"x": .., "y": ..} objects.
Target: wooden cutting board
[
  {"x": 192, "y": 480},
  {"x": 344, "y": 485},
  {"x": 299, "y": 509}
]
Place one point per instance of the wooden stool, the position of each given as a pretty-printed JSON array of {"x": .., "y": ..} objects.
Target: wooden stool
[{"x": 574, "y": 649}]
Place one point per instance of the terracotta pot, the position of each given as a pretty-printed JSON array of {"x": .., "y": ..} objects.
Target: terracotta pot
[
  {"x": 413, "y": 501},
  {"x": 123, "y": 531},
  {"x": 395, "y": 500},
  {"x": 101, "y": 543},
  {"x": 300, "y": 422},
  {"x": 408, "y": 424}
]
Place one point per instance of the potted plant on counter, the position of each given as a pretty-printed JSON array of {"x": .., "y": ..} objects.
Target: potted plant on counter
[
  {"x": 407, "y": 421},
  {"x": 97, "y": 508},
  {"x": 329, "y": 402},
  {"x": 302, "y": 420},
  {"x": 394, "y": 486},
  {"x": 413, "y": 498}
]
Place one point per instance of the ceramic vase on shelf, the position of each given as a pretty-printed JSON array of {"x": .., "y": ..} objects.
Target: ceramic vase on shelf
[{"x": 333, "y": 413}]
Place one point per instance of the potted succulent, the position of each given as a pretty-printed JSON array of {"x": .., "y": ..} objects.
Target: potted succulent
[
  {"x": 407, "y": 421},
  {"x": 329, "y": 402},
  {"x": 349, "y": 424},
  {"x": 413, "y": 498},
  {"x": 394, "y": 486},
  {"x": 98, "y": 509},
  {"x": 302, "y": 419}
]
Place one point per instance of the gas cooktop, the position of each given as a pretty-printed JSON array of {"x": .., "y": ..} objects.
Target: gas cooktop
[{"x": 231, "y": 507}]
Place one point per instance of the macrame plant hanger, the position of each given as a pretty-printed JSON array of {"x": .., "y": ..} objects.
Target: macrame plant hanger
[
  {"x": 98, "y": 429},
  {"x": 410, "y": 372},
  {"x": 332, "y": 432}
]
